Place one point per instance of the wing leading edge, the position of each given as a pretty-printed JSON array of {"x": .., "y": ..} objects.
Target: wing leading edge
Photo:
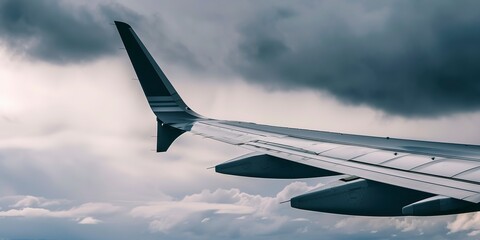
[{"x": 375, "y": 176}]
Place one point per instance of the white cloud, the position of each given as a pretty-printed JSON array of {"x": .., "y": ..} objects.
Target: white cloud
[
  {"x": 465, "y": 222},
  {"x": 81, "y": 211},
  {"x": 221, "y": 209},
  {"x": 159, "y": 209},
  {"x": 89, "y": 221},
  {"x": 416, "y": 225},
  {"x": 29, "y": 201},
  {"x": 300, "y": 220},
  {"x": 29, "y": 212}
]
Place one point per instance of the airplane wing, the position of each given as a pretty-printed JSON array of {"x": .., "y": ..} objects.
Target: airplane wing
[{"x": 375, "y": 176}]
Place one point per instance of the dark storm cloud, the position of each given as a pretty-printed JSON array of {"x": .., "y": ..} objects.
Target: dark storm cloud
[
  {"x": 410, "y": 58},
  {"x": 61, "y": 32}
]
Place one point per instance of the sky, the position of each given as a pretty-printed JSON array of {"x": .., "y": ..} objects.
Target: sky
[{"x": 76, "y": 145}]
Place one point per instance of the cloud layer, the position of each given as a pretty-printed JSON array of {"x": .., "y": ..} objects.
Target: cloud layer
[
  {"x": 416, "y": 59},
  {"x": 231, "y": 213},
  {"x": 405, "y": 58},
  {"x": 224, "y": 213},
  {"x": 61, "y": 32}
]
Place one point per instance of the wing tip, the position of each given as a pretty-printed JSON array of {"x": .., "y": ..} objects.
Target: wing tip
[{"x": 121, "y": 24}]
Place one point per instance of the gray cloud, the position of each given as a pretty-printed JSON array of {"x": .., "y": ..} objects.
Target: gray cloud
[
  {"x": 67, "y": 145},
  {"x": 416, "y": 59},
  {"x": 404, "y": 58},
  {"x": 60, "y": 32}
]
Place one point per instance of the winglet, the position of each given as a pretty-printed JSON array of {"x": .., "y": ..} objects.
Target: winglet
[
  {"x": 166, "y": 135},
  {"x": 162, "y": 97},
  {"x": 173, "y": 115}
]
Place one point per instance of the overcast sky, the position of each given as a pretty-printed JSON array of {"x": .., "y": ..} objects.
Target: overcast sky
[{"x": 76, "y": 143}]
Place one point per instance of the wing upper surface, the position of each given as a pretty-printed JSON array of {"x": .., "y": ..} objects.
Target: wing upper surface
[{"x": 443, "y": 174}]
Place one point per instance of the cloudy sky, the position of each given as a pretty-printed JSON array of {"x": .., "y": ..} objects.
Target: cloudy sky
[{"x": 76, "y": 143}]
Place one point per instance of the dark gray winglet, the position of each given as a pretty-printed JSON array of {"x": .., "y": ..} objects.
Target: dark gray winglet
[
  {"x": 173, "y": 115},
  {"x": 166, "y": 135}
]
